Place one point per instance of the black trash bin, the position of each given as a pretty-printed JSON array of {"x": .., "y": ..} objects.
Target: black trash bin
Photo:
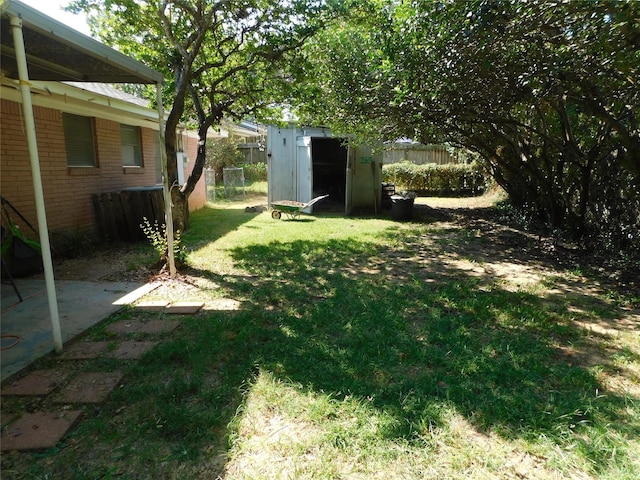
[{"x": 402, "y": 207}]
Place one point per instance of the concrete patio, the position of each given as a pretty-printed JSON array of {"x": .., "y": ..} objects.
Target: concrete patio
[{"x": 26, "y": 326}]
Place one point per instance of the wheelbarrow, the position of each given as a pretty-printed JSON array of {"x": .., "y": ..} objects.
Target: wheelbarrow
[{"x": 291, "y": 208}]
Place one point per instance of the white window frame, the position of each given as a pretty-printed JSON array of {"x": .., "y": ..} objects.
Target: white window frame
[
  {"x": 131, "y": 142},
  {"x": 79, "y": 139}
]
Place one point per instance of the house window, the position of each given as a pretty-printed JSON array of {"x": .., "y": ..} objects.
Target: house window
[
  {"x": 79, "y": 140},
  {"x": 158, "y": 157},
  {"x": 131, "y": 146}
]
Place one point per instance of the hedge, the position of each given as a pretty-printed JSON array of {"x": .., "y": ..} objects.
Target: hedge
[
  {"x": 255, "y": 172},
  {"x": 450, "y": 180}
]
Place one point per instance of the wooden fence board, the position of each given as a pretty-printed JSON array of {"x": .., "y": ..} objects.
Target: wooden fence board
[
  {"x": 112, "y": 232},
  {"x": 100, "y": 216},
  {"x": 129, "y": 216},
  {"x": 120, "y": 214},
  {"x": 419, "y": 154},
  {"x": 137, "y": 212}
]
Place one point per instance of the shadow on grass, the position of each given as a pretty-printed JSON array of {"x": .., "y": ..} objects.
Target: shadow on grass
[
  {"x": 401, "y": 328},
  {"x": 209, "y": 224},
  {"x": 345, "y": 318}
]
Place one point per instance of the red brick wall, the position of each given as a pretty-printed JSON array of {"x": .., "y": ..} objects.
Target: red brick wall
[
  {"x": 67, "y": 191},
  {"x": 198, "y": 197}
]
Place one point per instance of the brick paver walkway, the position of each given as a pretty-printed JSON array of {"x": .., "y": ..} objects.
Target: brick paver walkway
[{"x": 69, "y": 389}]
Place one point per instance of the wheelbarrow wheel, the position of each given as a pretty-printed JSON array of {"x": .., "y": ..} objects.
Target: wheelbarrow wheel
[{"x": 276, "y": 214}]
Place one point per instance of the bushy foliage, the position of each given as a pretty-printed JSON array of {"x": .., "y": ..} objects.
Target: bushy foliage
[
  {"x": 437, "y": 180},
  {"x": 157, "y": 236},
  {"x": 544, "y": 91},
  {"x": 255, "y": 172},
  {"x": 222, "y": 153}
]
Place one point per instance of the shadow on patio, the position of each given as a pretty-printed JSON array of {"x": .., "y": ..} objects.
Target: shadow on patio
[{"x": 26, "y": 326}]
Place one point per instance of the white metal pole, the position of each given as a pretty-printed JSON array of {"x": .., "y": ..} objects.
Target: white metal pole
[
  {"x": 32, "y": 142},
  {"x": 168, "y": 215}
]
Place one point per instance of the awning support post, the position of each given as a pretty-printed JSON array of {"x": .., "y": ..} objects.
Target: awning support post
[
  {"x": 168, "y": 202},
  {"x": 30, "y": 128}
]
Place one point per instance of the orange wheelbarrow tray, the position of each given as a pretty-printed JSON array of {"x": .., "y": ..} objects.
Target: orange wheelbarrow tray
[{"x": 291, "y": 208}]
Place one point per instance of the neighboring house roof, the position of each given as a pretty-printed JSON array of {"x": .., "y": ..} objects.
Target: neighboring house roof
[
  {"x": 244, "y": 130},
  {"x": 88, "y": 99},
  {"x": 111, "y": 92},
  {"x": 253, "y": 129}
]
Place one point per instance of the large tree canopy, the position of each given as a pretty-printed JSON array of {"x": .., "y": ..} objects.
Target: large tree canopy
[
  {"x": 546, "y": 91},
  {"x": 221, "y": 58}
]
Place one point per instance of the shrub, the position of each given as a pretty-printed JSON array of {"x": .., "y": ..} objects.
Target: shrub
[
  {"x": 222, "y": 153},
  {"x": 254, "y": 172},
  {"x": 157, "y": 236},
  {"x": 437, "y": 180}
]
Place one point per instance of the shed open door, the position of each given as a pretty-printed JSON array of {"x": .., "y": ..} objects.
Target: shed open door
[
  {"x": 348, "y": 189},
  {"x": 282, "y": 164},
  {"x": 304, "y": 170}
]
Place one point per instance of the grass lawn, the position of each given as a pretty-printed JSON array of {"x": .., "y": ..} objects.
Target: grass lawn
[{"x": 452, "y": 346}]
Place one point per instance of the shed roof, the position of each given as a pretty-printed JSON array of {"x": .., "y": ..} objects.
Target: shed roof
[{"x": 56, "y": 52}]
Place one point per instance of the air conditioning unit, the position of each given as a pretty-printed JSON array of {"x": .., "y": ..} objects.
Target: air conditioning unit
[{"x": 182, "y": 163}]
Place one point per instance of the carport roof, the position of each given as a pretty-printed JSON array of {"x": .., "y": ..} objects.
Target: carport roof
[{"x": 56, "y": 52}]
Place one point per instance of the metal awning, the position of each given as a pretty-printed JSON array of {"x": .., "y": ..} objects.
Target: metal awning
[
  {"x": 37, "y": 47},
  {"x": 56, "y": 52}
]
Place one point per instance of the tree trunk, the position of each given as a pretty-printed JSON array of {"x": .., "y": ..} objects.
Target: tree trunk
[
  {"x": 181, "y": 195},
  {"x": 180, "y": 210}
]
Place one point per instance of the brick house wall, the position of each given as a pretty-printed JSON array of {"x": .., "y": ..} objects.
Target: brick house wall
[
  {"x": 198, "y": 197},
  {"x": 68, "y": 190}
]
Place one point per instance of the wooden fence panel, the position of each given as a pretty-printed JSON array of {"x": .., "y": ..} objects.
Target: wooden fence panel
[
  {"x": 112, "y": 233},
  {"x": 131, "y": 214},
  {"x": 120, "y": 214},
  {"x": 419, "y": 154},
  {"x": 253, "y": 153},
  {"x": 136, "y": 207},
  {"x": 103, "y": 227}
]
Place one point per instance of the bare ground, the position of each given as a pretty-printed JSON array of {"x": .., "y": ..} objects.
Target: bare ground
[
  {"x": 506, "y": 252},
  {"x": 477, "y": 215}
]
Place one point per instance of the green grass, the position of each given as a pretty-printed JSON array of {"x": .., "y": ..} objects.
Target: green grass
[
  {"x": 251, "y": 190},
  {"x": 366, "y": 348}
]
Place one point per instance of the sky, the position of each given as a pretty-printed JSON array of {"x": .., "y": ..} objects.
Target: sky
[{"x": 53, "y": 9}]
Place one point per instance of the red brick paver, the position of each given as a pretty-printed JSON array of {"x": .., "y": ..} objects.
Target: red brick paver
[
  {"x": 86, "y": 350},
  {"x": 129, "y": 350},
  {"x": 38, "y": 382},
  {"x": 92, "y": 387},
  {"x": 125, "y": 350},
  {"x": 142, "y": 326},
  {"x": 184, "y": 307},
  {"x": 153, "y": 306},
  {"x": 37, "y": 430}
]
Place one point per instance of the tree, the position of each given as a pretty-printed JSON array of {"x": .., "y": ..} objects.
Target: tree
[
  {"x": 546, "y": 91},
  {"x": 222, "y": 153},
  {"x": 221, "y": 58}
]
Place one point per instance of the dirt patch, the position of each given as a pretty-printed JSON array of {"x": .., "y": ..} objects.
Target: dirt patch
[
  {"x": 506, "y": 251},
  {"x": 121, "y": 263},
  {"x": 503, "y": 238}
]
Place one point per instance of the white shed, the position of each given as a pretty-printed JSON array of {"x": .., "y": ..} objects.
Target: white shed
[{"x": 306, "y": 162}]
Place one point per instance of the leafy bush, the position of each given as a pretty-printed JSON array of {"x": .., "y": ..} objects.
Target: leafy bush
[
  {"x": 254, "y": 172},
  {"x": 222, "y": 153},
  {"x": 437, "y": 180},
  {"x": 157, "y": 236}
]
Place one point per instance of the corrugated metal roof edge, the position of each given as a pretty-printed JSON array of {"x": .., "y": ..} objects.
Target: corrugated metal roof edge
[{"x": 32, "y": 18}]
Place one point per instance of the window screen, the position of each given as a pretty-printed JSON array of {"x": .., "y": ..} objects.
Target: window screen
[
  {"x": 131, "y": 148},
  {"x": 78, "y": 138}
]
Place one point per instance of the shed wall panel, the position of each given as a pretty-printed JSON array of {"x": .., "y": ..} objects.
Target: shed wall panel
[{"x": 282, "y": 164}]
